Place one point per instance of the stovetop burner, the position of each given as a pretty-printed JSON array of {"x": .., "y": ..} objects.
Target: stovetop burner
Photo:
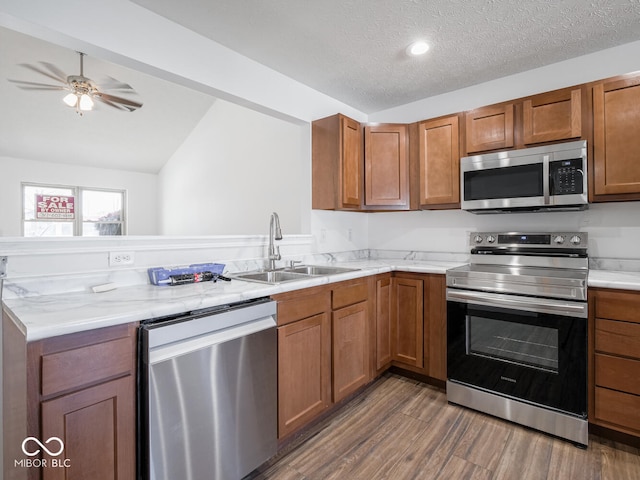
[{"x": 553, "y": 265}]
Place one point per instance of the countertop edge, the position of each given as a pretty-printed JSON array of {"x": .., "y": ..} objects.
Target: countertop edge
[{"x": 37, "y": 317}]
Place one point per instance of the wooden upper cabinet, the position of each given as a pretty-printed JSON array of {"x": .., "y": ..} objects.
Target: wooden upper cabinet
[
  {"x": 338, "y": 181},
  {"x": 552, "y": 116},
  {"x": 490, "y": 128},
  {"x": 351, "y": 171},
  {"x": 386, "y": 163},
  {"x": 616, "y": 139},
  {"x": 439, "y": 159}
]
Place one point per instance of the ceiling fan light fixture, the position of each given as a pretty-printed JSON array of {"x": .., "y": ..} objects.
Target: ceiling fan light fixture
[
  {"x": 86, "y": 103},
  {"x": 417, "y": 48},
  {"x": 70, "y": 99}
]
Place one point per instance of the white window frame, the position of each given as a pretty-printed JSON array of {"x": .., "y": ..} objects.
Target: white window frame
[{"x": 77, "y": 194}]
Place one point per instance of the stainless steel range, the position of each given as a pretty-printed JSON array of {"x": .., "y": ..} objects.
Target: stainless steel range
[{"x": 517, "y": 330}]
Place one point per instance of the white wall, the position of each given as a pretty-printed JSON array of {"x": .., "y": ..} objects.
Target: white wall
[
  {"x": 235, "y": 168},
  {"x": 141, "y": 190},
  {"x": 614, "y": 228}
]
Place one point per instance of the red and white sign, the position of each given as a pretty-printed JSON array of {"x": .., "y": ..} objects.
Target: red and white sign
[{"x": 57, "y": 207}]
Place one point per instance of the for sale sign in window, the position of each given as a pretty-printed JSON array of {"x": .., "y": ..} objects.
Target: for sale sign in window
[{"x": 55, "y": 207}]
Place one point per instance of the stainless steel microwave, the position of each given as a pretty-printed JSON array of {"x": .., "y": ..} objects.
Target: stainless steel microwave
[{"x": 551, "y": 177}]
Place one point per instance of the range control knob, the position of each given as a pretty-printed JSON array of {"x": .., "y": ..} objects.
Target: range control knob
[
  {"x": 575, "y": 240},
  {"x": 491, "y": 239},
  {"x": 559, "y": 239},
  {"x": 477, "y": 239}
]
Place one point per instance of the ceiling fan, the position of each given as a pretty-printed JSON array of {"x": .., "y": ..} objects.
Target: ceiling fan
[{"x": 82, "y": 90}]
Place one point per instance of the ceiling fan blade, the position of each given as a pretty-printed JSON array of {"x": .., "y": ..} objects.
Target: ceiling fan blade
[
  {"x": 110, "y": 83},
  {"x": 44, "y": 72},
  {"x": 123, "y": 101},
  {"x": 56, "y": 71},
  {"x": 36, "y": 85},
  {"x": 114, "y": 105}
]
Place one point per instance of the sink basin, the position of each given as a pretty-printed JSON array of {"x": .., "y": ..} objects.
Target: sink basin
[
  {"x": 316, "y": 270},
  {"x": 290, "y": 274},
  {"x": 277, "y": 276}
]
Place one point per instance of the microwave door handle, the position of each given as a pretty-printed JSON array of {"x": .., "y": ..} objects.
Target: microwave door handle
[{"x": 545, "y": 178}]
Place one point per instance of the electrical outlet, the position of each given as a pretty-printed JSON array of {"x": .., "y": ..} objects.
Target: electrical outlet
[
  {"x": 118, "y": 259},
  {"x": 350, "y": 234},
  {"x": 323, "y": 235}
]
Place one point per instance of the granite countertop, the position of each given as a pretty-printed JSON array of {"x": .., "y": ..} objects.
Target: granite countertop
[
  {"x": 46, "y": 316},
  {"x": 614, "y": 279}
]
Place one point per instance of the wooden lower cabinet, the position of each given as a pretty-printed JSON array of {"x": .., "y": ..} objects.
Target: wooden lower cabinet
[
  {"x": 411, "y": 307},
  {"x": 324, "y": 349},
  {"x": 407, "y": 321},
  {"x": 80, "y": 388},
  {"x": 95, "y": 425},
  {"x": 614, "y": 360},
  {"x": 304, "y": 371},
  {"x": 383, "y": 322},
  {"x": 350, "y": 350}
]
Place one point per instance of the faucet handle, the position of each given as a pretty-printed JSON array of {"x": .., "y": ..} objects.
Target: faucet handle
[{"x": 292, "y": 263}]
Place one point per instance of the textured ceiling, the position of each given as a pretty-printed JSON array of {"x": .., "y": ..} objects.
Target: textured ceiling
[
  {"x": 38, "y": 126},
  {"x": 354, "y": 50}
]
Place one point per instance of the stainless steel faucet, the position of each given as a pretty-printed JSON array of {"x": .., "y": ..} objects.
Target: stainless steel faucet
[{"x": 274, "y": 234}]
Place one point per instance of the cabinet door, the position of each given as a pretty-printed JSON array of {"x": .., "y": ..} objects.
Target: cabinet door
[
  {"x": 614, "y": 360},
  {"x": 351, "y": 168},
  {"x": 383, "y": 322},
  {"x": 490, "y": 128},
  {"x": 386, "y": 162},
  {"x": 436, "y": 325},
  {"x": 97, "y": 427},
  {"x": 616, "y": 138},
  {"x": 336, "y": 161},
  {"x": 304, "y": 371},
  {"x": 407, "y": 321},
  {"x": 350, "y": 350},
  {"x": 552, "y": 116},
  {"x": 439, "y": 163}
]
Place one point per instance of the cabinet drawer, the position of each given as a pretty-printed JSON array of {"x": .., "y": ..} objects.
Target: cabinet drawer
[
  {"x": 618, "y": 373},
  {"x": 619, "y": 408},
  {"x": 618, "y": 306},
  {"x": 349, "y": 295},
  {"x": 72, "y": 369},
  {"x": 306, "y": 306},
  {"x": 619, "y": 338}
]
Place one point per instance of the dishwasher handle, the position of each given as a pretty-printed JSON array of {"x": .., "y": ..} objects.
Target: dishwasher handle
[{"x": 176, "y": 349}]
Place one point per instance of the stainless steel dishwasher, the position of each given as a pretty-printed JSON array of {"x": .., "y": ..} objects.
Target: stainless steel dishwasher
[{"x": 208, "y": 393}]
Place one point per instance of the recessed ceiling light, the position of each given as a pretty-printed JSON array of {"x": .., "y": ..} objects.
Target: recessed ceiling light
[{"x": 417, "y": 48}]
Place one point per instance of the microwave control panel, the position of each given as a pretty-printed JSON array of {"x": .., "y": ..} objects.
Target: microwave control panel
[{"x": 566, "y": 176}]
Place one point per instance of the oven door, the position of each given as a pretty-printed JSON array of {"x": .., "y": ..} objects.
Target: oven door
[{"x": 527, "y": 348}]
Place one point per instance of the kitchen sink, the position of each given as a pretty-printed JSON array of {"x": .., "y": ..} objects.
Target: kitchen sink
[
  {"x": 290, "y": 274},
  {"x": 275, "y": 276},
  {"x": 315, "y": 270}
]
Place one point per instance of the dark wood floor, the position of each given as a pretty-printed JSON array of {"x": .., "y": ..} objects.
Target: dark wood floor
[{"x": 403, "y": 429}]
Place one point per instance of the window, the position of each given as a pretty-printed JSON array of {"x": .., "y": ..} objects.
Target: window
[{"x": 66, "y": 211}]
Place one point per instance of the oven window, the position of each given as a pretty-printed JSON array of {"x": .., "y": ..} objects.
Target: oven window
[
  {"x": 522, "y": 344},
  {"x": 506, "y": 182}
]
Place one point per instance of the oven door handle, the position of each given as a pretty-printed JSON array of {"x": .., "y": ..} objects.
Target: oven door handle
[{"x": 529, "y": 304}]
